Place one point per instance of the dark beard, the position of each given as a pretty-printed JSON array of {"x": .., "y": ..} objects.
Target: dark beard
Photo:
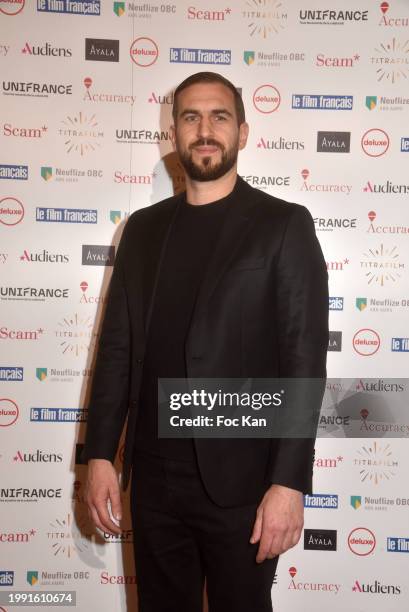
[{"x": 207, "y": 171}]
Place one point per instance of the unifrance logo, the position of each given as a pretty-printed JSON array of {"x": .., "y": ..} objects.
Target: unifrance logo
[
  {"x": 361, "y": 541},
  {"x": 183, "y": 55},
  {"x": 9, "y": 412},
  {"x": 266, "y": 99},
  {"x": 11, "y": 211},
  {"x": 72, "y": 7},
  {"x": 321, "y": 102},
  {"x": 144, "y": 52},
  {"x": 375, "y": 142},
  {"x": 366, "y": 342}
]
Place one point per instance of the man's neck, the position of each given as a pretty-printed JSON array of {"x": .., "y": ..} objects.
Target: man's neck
[{"x": 204, "y": 192}]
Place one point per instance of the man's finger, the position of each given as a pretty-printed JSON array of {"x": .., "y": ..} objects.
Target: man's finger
[
  {"x": 265, "y": 544},
  {"x": 258, "y": 524},
  {"x": 116, "y": 506},
  {"x": 95, "y": 519},
  {"x": 101, "y": 508}
]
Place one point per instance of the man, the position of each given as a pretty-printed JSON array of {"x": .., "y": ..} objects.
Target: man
[{"x": 221, "y": 281}]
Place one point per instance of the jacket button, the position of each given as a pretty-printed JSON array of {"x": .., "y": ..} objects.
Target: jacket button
[{"x": 139, "y": 361}]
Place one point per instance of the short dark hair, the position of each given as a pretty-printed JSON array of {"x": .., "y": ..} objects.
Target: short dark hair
[{"x": 210, "y": 77}]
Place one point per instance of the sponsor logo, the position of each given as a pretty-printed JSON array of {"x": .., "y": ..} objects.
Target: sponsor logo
[
  {"x": 384, "y": 305},
  {"x": 92, "y": 96},
  {"x": 398, "y": 545},
  {"x": 183, "y": 55},
  {"x": 328, "y": 61},
  {"x": 41, "y": 374},
  {"x": 263, "y": 182},
  {"x": 75, "y": 334},
  {"x": 387, "y": 20},
  {"x": 375, "y": 142},
  {"x": 333, "y": 142},
  {"x": 361, "y": 541},
  {"x": 18, "y": 173},
  {"x": 329, "y": 224},
  {"x": 266, "y": 99},
  {"x": 13, "y": 373},
  {"x": 9, "y": 411},
  {"x": 69, "y": 536},
  {"x": 58, "y": 415},
  {"x": 366, "y": 342},
  {"x": 101, "y": 50},
  {"x": 32, "y": 294},
  {"x": 383, "y": 265},
  {"x": 17, "y": 537},
  {"x": 336, "y": 303},
  {"x": 335, "y": 341},
  {"x": 35, "y": 90},
  {"x": 323, "y": 501},
  {"x": 98, "y": 255},
  {"x": 11, "y": 211},
  {"x": 32, "y": 577},
  {"x": 404, "y": 144},
  {"x": 11, "y": 7},
  {"x": 33, "y": 494},
  {"x": 19, "y": 334},
  {"x": 46, "y": 50},
  {"x": 379, "y": 386},
  {"x": 376, "y": 463},
  {"x": 329, "y": 587},
  {"x": 391, "y": 61},
  {"x": 205, "y": 15},
  {"x": 331, "y": 17},
  {"x": 58, "y": 578},
  {"x": 61, "y": 376},
  {"x": 386, "y": 104},
  {"x": 320, "y": 539},
  {"x": 69, "y": 175},
  {"x": 264, "y": 18},
  {"x": 156, "y": 98},
  {"x": 400, "y": 345},
  {"x": 44, "y": 257},
  {"x": 321, "y": 102},
  {"x": 387, "y": 187},
  {"x": 6, "y": 578},
  {"x": 119, "y": 8},
  {"x": 271, "y": 59},
  {"x": 74, "y": 7},
  {"x": 115, "y": 216},
  {"x": 137, "y": 179},
  {"x": 380, "y": 504},
  {"x": 361, "y": 303},
  {"x": 337, "y": 265},
  {"x": 125, "y": 537},
  {"x": 107, "y": 578},
  {"x": 144, "y": 10},
  {"x": 376, "y": 588},
  {"x": 371, "y": 102},
  {"x": 144, "y": 52},
  {"x": 381, "y": 427},
  {"x": 66, "y": 215},
  {"x": 87, "y": 298},
  {"x": 19, "y": 132},
  {"x": 280, "y": 144},
  {"x": 328, "y": 462},
  {"x": 81, "y": 133},
  {"x": 142, "y": 136},
  {"x": 322, "y": 187},
  {"x": 356, "y": 501},
  {"x": 37, "y": 456}
]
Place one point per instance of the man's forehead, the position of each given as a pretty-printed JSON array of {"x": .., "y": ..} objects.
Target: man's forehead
[{"x": 206, "y": 94}]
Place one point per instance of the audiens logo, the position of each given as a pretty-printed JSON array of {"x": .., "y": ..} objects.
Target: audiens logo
[
  {"x": 383, "y": 265},
  {"x": 46, "y": 49},
  {"x": 333, "y": 142},
  {"x": 44, "y": 257},
  {"x": 320, "y": 539},
  {"x": 37, "y": 456},
  {"x": 101, "y": 50},
  {"x": 280, "y": 144},
  {"x": 376, "y": 588}
]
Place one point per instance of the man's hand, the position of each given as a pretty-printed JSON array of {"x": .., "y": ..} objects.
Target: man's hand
[
  {"x": 279, "y": 522},
  {"x": 103, "y": 486}
]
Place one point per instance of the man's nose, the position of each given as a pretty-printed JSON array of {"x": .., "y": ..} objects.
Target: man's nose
[{"x": 204, "y": 127}]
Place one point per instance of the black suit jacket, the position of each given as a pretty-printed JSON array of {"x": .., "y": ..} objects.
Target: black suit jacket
[{"x": 261, "y": 311}]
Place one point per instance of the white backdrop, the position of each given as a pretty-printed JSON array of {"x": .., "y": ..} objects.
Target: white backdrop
[{"x": 86, "y": 101}]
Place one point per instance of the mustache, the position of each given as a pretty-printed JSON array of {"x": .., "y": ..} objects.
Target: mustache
[{"x": 206, "y": 142}]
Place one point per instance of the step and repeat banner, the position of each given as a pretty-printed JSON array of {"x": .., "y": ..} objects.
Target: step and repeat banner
[{"x": 86, "y": 98}]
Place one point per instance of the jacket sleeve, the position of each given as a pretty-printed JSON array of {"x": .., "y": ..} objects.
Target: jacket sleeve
[
  {"x": 108, "y": 401},
  {"x": 302, "y": 311}
]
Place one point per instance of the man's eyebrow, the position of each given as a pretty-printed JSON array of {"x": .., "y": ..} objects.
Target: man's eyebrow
[{"x": 215, "y": 111}]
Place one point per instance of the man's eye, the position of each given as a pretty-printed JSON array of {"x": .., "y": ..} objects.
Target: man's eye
[
  {"x": 190, "y": 118},
  {"x": 220, "y": 117}
]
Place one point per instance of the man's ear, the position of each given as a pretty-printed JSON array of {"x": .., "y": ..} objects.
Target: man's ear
[
  {"x": 172, "y": 134},
  {"x": 243, "y": 135}
]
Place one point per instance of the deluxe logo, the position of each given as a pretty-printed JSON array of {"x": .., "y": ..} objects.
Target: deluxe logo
[
  {"x": 328, "y": 61},
  {"x": 73, "y": 7},
  {"x": 11, "y": 211},
  {"x": 35, "y": 90},
  {"x": 361, "y": 541},
  {"x": 155, "y": 98},
  {"x": 18, "y": 173},
  {"x": 13, "y": 373},
  {"x": 280, "y": 144},
  {"x": 333, "y": 142},
  {"x": 331, "y": 17},
  {"x": 398, "y": 545},
  {"x": 266, "y": 99},
  {"x": 361, "y": 303},
  {"x": 98, "y": 255},
  {"x": 44, "y": 257},
  {"x": 366, "y": 342},
  {"x": 376, "y": 463},
  {"x": 404, "y": 144},
  {"x": 17, "y": 537},
  {"x": 101, "y": 50},
  {"x": 327, "y": 462},
  {"x": 321, "y": 102},
  {"x": 400, "y": 345},
  {"x": 183, "y": 55},
  {"x": 136, "y": 179},
  {"x": 6, "y": 578},
  {"x": 91, "y": 96},
  {"x": 144, "y": 52},
  {"x": 9, "y": 411},
  {"x": 387, "y": 20},
  {"x": 58, "y": 415},
  {"x": 37, "y": 456},
  {"x": 271, "y": 59},
  {"x": 320, "y": 539},
  {"x": 81, "y": 133},
  {"x": 336, "y": 303},
  {"x": 387, "y": 187},
  {"x": 265, "y": 18},
  {"x": 46, "y": 50},
  {"x": 31, "y": 294},
  {"x": 329, "y": 587},
  {"x": 66, "y": 215},
  {"x": 322, "y": 187},
  {"x": 375, "y": 142},
  {"x": 391, "y": 61},
  {"x": 205, "y": 15},
  {"x": 329, "y": 224},
  {"x": 323, "y": 501},
  {"x": 142, "y": 136},
  {"x": 19, "y": 132},
  {"x": 383, "y": 265},
  {"x": 263, "y": 182},
  {"x": 11, "y": 7},
  {"x": 376, "y": 588},
  {"x": 19, "y": 334},
  {"x": 335, "y": 341}
]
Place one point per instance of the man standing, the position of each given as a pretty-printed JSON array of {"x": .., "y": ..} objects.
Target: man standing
[{"x": 221, "y": 281}]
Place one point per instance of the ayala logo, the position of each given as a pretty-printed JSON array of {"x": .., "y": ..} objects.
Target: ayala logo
[
  {"x": 158, "y": 99},
  {"x": 333, "y": 142},
  {"x": 376, "y": 588},
  {"x": 264, "y": 18},
  {"x": 382, "y": 265},
  {"x": 387, "y": 20},
  {"x": 44, "y": 257},
  {"x": 335, "y": 341},
  {"x": 280, "y": 144},
  {"x": 98, "y": 255},
  {"x": 101, "y": 50},
  {"x": 392, "y": 61},
  {"x": 144, "y": 52},
  {"x": 376, "y": 463},
  {"x": 266, "y": 99},
  {"x": 328, "y": 61},
  {"x": 46, "y": 50},
  {"x": 320, "y": 539}
]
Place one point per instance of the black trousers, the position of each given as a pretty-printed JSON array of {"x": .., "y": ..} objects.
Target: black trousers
[{"x": 181, "y": 537}]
